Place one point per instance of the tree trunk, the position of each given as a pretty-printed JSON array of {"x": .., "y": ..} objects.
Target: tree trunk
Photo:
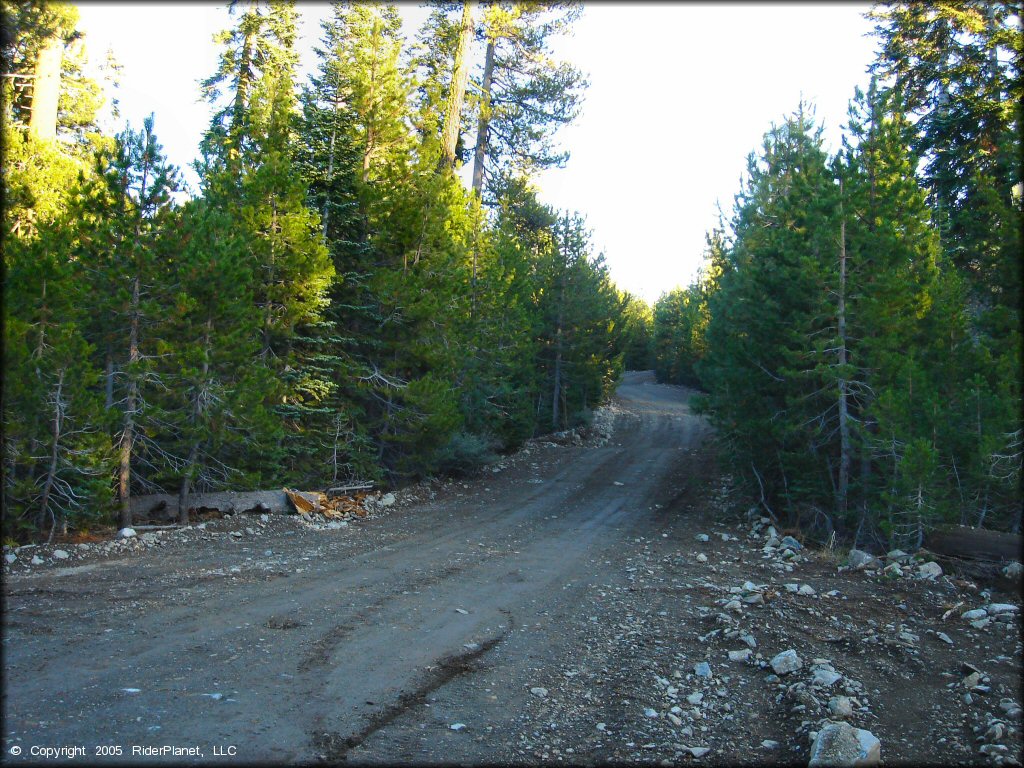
[
  {"x": 51, "y": 474},
  {"x": 124, "y": 473},
  {"x": 844, "y": 421},
  {"x": 556, "y": 397},
  {"x": 480, "y": 154},
  {"x": 197, "y": 409},
  {"x": 457, "y": 94},
  {"x": 109, "y": 381},
  {"x": 325, "y": 214},
  {"x": 42, "y": 124}
]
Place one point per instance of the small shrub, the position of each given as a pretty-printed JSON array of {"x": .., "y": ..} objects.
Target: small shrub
[{"x": 466, "y": 453}]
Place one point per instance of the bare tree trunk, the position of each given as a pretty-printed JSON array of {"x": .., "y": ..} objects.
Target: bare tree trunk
[
  {"x": 109, "y": 381},
  {"x": 124, "y": 473},
  {"x": 326, "y": 213},
  {"x": 42, "y": 124},
  {"x": 51, "y": 474},
  {"x": 480, "y": 153},
  {"x": 457, "y": 94},
  {"x": 556, "y": 396},
  {"x": 844, "y": 421},
  {"x": 197, "y": 409}
]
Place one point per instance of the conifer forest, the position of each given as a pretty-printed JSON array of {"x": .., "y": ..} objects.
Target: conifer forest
[{"x": 335, "y": 303}]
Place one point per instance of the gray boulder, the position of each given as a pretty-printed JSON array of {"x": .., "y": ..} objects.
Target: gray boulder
[
  {"x": 929, "y": 570},
  {"x": 860, "y": 559},
  {"x": 786, "y": 662},
  {"x": 840, "y": 744}
]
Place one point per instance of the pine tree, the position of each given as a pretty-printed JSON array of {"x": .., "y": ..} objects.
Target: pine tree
[
  {"x": 525, "y": 96},
  {"x": 124, "y": 214}
]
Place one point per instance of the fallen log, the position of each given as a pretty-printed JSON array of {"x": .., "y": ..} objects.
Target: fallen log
[
  {"x": 342, "y": 490},
  {"x": 165, "y": 505},
  {"x": 974, "y": 544}
]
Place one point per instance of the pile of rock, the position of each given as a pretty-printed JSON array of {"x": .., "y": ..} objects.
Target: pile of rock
[
  {"x": 998, "y": 738},
  {"x": 895, "y": 564},
  {"x": 995, "y": 614}
]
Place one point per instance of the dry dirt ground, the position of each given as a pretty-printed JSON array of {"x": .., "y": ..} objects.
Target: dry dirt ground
[{"x": 553, "y": 610}]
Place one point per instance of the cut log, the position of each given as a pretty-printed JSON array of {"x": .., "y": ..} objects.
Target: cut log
[
  {"x": 974, "y": 544},
  {"x": 344, "y": 489},
  {"x": 165, "y": 505}
]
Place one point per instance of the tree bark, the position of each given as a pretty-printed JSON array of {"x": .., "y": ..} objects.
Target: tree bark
[
  {"x": 124, "y": 473},
  {"x": 326, "y": 213},
  {"x": 457, "y": 94},
  {"x": 42, "y": 124},
  {"x": 197, "y": 409},
  {"x": 480, "y": 153},
  {"x": 51, "y": 474},
  {"x": 844, "y": 421},
  {"x": 557, "y": 395}
]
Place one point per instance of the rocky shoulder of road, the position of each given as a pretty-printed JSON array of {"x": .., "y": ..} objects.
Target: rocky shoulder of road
[{"x": 727, "y": 642}]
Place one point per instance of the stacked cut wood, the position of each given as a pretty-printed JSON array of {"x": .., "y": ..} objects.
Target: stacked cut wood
[{"x": 332, "y": 507}]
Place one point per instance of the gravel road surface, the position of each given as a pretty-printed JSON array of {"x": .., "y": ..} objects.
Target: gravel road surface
[{"x": 552, "y": 611}]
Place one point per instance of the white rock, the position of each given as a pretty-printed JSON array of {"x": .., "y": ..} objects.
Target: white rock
[
  {"x": 840, "y": 706},
  {"x": 10, "y": 557},
  {"x": 1013, "y": 570},
  {"x": 387, "y": 500},
  {"x": 702, "y": 558},
  {"x": 37, "y": 560},
  {"x": 859, "y": 559},
  {"x": 128, "y": 533},
  {"x": 132, "y": 690},
  {"x": 786, "y": 662},
  {"x": 702, "y": 537},
  {"x": 840, "y": 744},
  {"x": 698, "y": 751},
  {"x": 60, "y": 554},
  {"x": 792, "y": 587},
  {"x": 929, "y": 570},
  {"x": 539, "y": 692},
  {"x": 648, "y": 712},
  {"x": 702, "y": 669},
  {"x": 807, "y": 589},
  {"x": 740, "y": 655},
  {"x": 695, "y": 698},
  {"x": 993, "y": 609},
  {"x": 770, "y": 744},
  {"x": 825, "y": 677},
  {"x": 457, "y": 726},
  {"x": 977, "y": 613},
  {"x": 463, "y": 611}
]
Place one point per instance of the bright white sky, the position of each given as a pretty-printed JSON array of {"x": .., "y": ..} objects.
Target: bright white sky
[{"x": 679, "y": 95}]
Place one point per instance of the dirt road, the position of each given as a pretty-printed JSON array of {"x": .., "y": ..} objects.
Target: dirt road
[{"x": 550, "y": 612}]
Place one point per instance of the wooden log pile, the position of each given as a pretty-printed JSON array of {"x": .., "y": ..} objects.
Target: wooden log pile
[{"x": 336, "y": 503}]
